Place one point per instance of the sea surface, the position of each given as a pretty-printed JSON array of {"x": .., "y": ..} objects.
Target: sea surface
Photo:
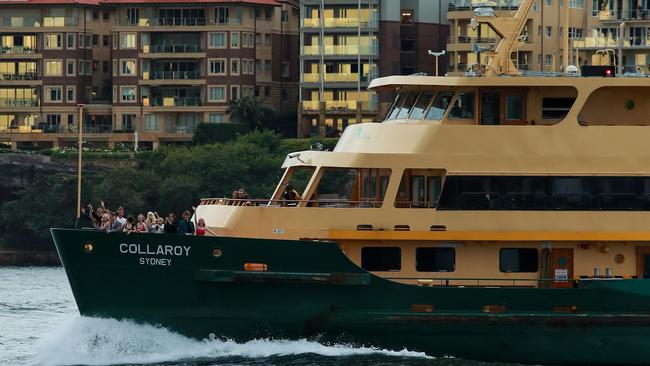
[{"x": 40, "y": 325}]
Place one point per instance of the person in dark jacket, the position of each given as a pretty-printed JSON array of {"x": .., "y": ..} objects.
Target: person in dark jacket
[
  {"x": 171, "y": 227},
  {"x": 186, "y": 227}
]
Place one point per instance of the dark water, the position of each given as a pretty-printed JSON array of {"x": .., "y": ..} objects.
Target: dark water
[{"x": 40, "y": 325}]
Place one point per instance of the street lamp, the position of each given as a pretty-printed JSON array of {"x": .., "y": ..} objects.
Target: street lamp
[{"x": 436, "y": 55}]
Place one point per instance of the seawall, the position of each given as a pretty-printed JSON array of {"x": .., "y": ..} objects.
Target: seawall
[{"x": 28, "y": 258}]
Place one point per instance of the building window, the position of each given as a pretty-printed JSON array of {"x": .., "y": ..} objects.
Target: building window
[
  {"x": 234, "y": 39},
  {"x": 53, "y": 68},
  {"x": 549, "y": 31},
  {"x": 217, "y": 40},
  {"x": 105, "y": 66},
  {"x": 548, "y": 60},
  {"x": 53, "y": 120},
  {"x": 549, "y": 2},
  {"x": 105, "y": 16},
  {"x": 127, "y": 40},
  {"x": 70, "y": 67},
  {"x": 267, "y": 40},
  {"x": 151, "y": 122},
  {"x": 53, "y": 94},
  {"x": 105, "y": 40},
  {"x": 234, "y": 66},
  {"x": 284, "y": 94},
  {"x": 53, "y": 41},
  {"x": 217, "y": 67},
  {"x": 407, "y": 44},
  {"x": 114, "y": 67},
  {"x": 216, "y": 118},
  {"x": 71, "y": 41},
  {"x": 71, "y": 94},
  {"x": 114, "y": 39},
  {"x": 268, "y": 13},
  {"x": 234, "y": 92},
  {"x": 285, "y": 16},
  {"x": 127, "y": 122},
  {"x": 127, "y": 67},
  {"x": 407, "y": 16},
  {"x": 95, "y": 39},
  {"x": 435, "y": 259},
  {"x": 221, "y": 15},
  {"x": 267, "y": 66},
  {"x": 133, "y": 15},
  {"x": 286, "y": 72},
  {"x": 518, "y": 260},
  {"x": 217, "y": 93},
  {"x": 381, "y": 259},
  {"x": 127, "y": 94}
]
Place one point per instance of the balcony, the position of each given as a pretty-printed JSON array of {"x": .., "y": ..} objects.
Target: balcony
[
  {"x": 459, "y": 5},
  {"x": 338, "y": 77},
  {"x": 20, "y": 77},
  {"x": 176, "y": 101},
  {"x": 175, "y": 75},
  {"x": 627, "y": 15},
  {"x": 173, "y": 48},
  {"x": 19, "y": 103},
  {"x": 341, "y": 22},
  {"x": 17, "y": 50},
  {"x": 345, "y": 50},
  {"x": 60, "y": 21},
  {"x": 34, "y": 22},
  {"x": 596, "y": 42},
  {"x": 177, "y": 22},
  {"x": 338, "y": 105}
]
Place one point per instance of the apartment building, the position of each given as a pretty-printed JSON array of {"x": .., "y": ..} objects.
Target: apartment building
[
  {"x": 142, "y": 69},
  {"x": 347, "y": 43}
]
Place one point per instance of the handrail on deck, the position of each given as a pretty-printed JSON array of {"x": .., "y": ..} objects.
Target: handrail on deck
[
  {"x": 323, "y": 203},
  {"x": 490, "y": 282}
]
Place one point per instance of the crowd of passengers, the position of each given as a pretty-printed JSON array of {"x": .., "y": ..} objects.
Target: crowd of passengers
[{"x": 103, "y": 219}]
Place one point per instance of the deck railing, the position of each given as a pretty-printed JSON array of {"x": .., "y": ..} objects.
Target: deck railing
[{"x": 322, "y": 203}]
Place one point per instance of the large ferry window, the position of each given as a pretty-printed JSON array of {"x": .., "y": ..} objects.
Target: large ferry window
[
  {"x": 419, "y": 188},
  {"x": 386, "y": 259},
  {"x": 421, "y": 105},
  {"x": 406, "y": 107},
  {"x": 439, "y": 106},
  {"x": 295, "y": 181},
  {"x": 571, "y": 193},
  {"x": 396, "y": 106},
  {"x": 556, "y": 108},
  {"x": 463, "y": 107},
  {"x": 435, "y": 259},
  {"x": 433, "y": 191},
  {"x": 513, "y": 107},
  {"x": 617, "y": 193},
  {"x": 351, "y": 187},
  {"x": 513, "y": 260}
]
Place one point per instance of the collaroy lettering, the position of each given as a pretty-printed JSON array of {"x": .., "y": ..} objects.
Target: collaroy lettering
[{"x": 155, "y": 250}]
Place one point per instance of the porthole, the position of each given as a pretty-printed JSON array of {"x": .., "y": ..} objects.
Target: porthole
[
  {"x": 217, "y": 252},
  {"x": 88, "y": 247},
  {"x": 619, "y": 258},
  {"x": 629, "y": 104}
]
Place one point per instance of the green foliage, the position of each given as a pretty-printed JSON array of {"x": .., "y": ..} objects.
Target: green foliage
[
  {"x": 248, "y": 111},
  {"x": 212, "y": 133},
  {"x": 172, "y": 178}
]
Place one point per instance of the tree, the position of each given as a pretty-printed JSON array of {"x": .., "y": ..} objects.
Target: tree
[
  {"x": 212, "y": 133},
  {"x": 248, "y": 111}
]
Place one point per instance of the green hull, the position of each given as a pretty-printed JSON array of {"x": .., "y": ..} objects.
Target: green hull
[{"x": 312, "y": 290}]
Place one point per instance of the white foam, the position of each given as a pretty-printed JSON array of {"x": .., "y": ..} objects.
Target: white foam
[{"x": 94, "y": 341}]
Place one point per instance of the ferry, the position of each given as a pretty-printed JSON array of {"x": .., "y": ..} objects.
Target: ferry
[{"x": 497, "y": 217}]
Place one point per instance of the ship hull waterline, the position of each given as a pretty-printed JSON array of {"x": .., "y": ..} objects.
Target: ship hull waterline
[{"x": 311, "y": 290}]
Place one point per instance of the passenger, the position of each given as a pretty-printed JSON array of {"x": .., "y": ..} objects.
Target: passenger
[
  {"x": 235, "y": 198},
  {"x": 291, "y": 195},
  {"x": 186, "y": 227},
  {"x": 129, "y": 227},
  {"x": 120, "y": 216},
  {"x": 200, "y": 228},
  {"x": 85, "y": 219},
  {"x": 141, "y": 226},
  {"x": 170, "y": 224},
  {"x": 151, "y": 220},
  {"x": 115, "y": 225},
  {"x": 158, "y": 227},
  {"x": 105, "y": 224}
]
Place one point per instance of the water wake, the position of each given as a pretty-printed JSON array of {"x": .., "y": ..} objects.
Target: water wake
[{"x": 94, "y": 341}]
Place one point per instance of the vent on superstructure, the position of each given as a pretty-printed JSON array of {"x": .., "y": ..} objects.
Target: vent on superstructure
[
  {"x": 438, "y": 228},
  {"x": 364, "y": 227},
  {"x": 402, "y": 228}
]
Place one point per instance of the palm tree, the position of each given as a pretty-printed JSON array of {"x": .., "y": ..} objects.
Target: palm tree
[{"x": 245, "y": 110}]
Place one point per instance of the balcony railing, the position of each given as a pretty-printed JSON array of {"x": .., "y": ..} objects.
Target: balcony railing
[
  {"x": 9, "y": 21},
  {"x": 19, "y": 102},
  {"x": 176, "y": 101},
  {"x": 24, "y": 76},
  {"x": 338, "y": 77},
  {"x": 595, "y": 42},
  {"x": 175, "y": 75},
  {"x": 17, "y": 50},
  {"x": 472, "y": 4},
  {"x": 177, "y": 22},
  {"x": 173, "y": 48},
  {"x": 468, "y": 39},
  {"x": 341, "y": 22},
  {"x": 351, "y": 50},
  {"x": 60, "y": 21}
]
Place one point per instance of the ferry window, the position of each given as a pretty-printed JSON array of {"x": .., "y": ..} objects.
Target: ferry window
[
  {"x": 383, "y": 185},
  {"x": 617, "y": 193},
  {"x": 513, "y": 107},
  {"x": 439, "y": 106},
  {"x": 417, "y": 190},
  {"x": 299, "y": 177},
  {"x": 463, "y": 107},
  {"x": 518, "y": 260},
  {"x": 433, "y": 191},
  {"x": 387, "y": 259},
  {"x": 348, "y": 187},
  {"x": 406, "y": 107},
  {"x": 571, "y": 193},
  {"x": 396, "y": 106},
  {"x": 556, "y": 108},
  {"x": 435, "y": 259},
  {"x": 421, "y": 105}
]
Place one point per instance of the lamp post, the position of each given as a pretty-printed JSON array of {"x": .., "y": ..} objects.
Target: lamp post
[
  {"x": 80, "y": 124},
  {"x": 436, "y": 55},
  {"x": 621, "y": 31}
]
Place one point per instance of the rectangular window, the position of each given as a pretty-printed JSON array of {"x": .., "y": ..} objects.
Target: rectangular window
[
  {"x": 105, "y": 40},
  {"x": 53, "y": 94},
  {"x": 95, "y": 39},
  {"x": 549, "y": 2},
  {"x": 285, "y": 16},
  {"x": 70, "y": 67},
  {"x": 151, "y": 122},
  {"x": 53, "y": 41},
  {"x": 127, "y": 94},
  {"x": 216, "y": 118},
  {"x": 127, "y": 122},
  {"x": 548, "y": 60},
  {"x": 386, "y": 259},
  {"x": 549, "y": 31},
  {"x": 71, "y": 41},
  {"x": 127, "y": 67},
  {"x": 234, "y": 39},
  {"x": 221, "y": 15},
  {"x": 53, "y": 120},
  {"x": 217, "y": 93},
  {"x": 71, "y": 94},
  {"x": 53, "y": 68},
  {"x": 217, "y": 40},
  {"x": 463, "y": 107},
  {"x": 217, "y": 67},
  {"x": 435, "y": 259},
  {"x": 127, "y": 40},
  {"x": 267, "y": 40},
  {"x": 513, "y": 260},
  {"x": 407, "y": 16},
  {"x": 234, "y": 66},
  {"x": 234, "y": 92}
]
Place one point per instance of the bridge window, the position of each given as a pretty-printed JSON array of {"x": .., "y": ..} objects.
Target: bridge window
[
  {"x": 386, "y": 259},
  {"x": 437, "y": 110},
  {"x": 419, "y": 188},
  {"x": 406, "y": 107},
  {"x": 518, "y": 260},
  {"x": 395, "y": 108},
  {"x": 463, "y": 107},
  {"x": 351, "y": 187},
  {"x": 435, "y": 259},
  {"x": 421, "y": 105}
]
